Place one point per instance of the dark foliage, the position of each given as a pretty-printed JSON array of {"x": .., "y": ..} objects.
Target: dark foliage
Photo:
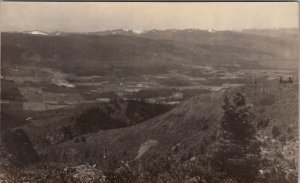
[
  {"x": 275, "y": 131},
  {"x": 166, "y": 168},
  {"x": 9, "y": 121},
  {"x": 205, "y": 124},
  {"x": 239, "y": 152},
  {"x": 95, "y": 119},
  {"x": 9, "y": 91},
  {"x": 112, "y": 116},
  {"x": 18, "y": 144},
  {"x": 67, "y": 131},
  {"x": 267, "y": 100},
  {"x": 83, "y": 139},
  {"x": 263, "y": 123},
  {"x": 141, "y": 111}
]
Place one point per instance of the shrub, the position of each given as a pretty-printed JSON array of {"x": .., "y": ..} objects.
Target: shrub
[
  {"x": 205, "y": 125},
  {"x": 275, "y": 131},
  {"x": 83, "y": 139},
  {"x": 67, "y": 132},
  {"x": 202, "y": 149},
  {"x": 267, "y": 100},
  {"x": 166, "y": 168},
  {"x": 264, "y": 123},
  {"x": 283, "y": 139}
]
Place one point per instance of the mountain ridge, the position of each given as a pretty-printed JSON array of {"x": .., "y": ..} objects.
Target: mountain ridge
[{"x": 64, "y": 52}]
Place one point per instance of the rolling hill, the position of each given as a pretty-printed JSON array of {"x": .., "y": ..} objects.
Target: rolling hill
[
  {"x": 56, "y": 126},
  {"x": 192, "y": 129}
]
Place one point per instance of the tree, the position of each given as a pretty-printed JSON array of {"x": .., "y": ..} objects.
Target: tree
[
  {"x": 67, "y": 132},
  {"x": 280, "y": 80},
  {"x": 238, "y": 153},
  {"x": 18, "y": 144}
]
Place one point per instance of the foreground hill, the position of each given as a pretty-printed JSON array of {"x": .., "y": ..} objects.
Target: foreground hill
[
  {"x": 56, "y": 126},
  {"x": 190, "y": 130},
  {"x": 181, "y": 140}
]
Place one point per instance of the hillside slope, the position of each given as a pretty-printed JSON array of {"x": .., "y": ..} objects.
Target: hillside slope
[
  {"x": 54, "y": 127},
  {"x": 190, "y": 130}
]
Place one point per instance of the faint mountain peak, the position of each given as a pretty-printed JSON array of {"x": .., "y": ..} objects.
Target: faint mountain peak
[
  {"x": 211, "y": 30},
  {"x": 138, "y": 31},
  {"x": 36, "y": 32}
]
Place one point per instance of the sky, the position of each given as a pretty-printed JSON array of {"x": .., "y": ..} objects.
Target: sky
[{"x": 99, "y": 16}]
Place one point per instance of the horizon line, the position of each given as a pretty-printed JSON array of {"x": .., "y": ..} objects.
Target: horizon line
[{"x": 147, "y": 30}]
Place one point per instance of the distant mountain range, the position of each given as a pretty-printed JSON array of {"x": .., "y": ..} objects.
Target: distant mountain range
[
  {"x": 154, "y": 48},
  {"x": 145, "y": 33},
  {"x": 183, "y": 32}
]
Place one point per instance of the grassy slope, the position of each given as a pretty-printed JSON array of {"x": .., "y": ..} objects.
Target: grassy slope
[
  {"x": 49, "y": 123},
  {"x": 186, "y": 125}
]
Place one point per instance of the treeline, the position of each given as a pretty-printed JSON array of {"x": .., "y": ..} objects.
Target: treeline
[
  {"x": 113, "y": 115},
  {"x": 139, "y": 111},
  {"x": 15, "y": 146}
]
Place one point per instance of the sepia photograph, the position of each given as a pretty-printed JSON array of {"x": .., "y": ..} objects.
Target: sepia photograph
[{"x": 149, "y": 92}]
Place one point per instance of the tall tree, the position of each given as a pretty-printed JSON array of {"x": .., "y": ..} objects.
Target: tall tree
[{"x": 238, "y": 153}]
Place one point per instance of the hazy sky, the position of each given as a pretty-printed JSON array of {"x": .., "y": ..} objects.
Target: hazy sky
[{"x": 96, "y": 16}]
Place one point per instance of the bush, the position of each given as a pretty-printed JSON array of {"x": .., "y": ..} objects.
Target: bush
[
  {"x": 83, "y": 139},
  {"x": 267, "y": 100},
  {"x": 205, "y": 125},
  {"x": 67, "y": 132},
  {"x": 166, "y": 168},
  {"x": 76, "y": 140},
  {"x": 275, "y": 131},
  {"x": 264, "y": 123}
]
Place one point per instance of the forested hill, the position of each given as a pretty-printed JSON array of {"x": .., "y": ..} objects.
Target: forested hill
[{"x": 154, "y": 50}]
